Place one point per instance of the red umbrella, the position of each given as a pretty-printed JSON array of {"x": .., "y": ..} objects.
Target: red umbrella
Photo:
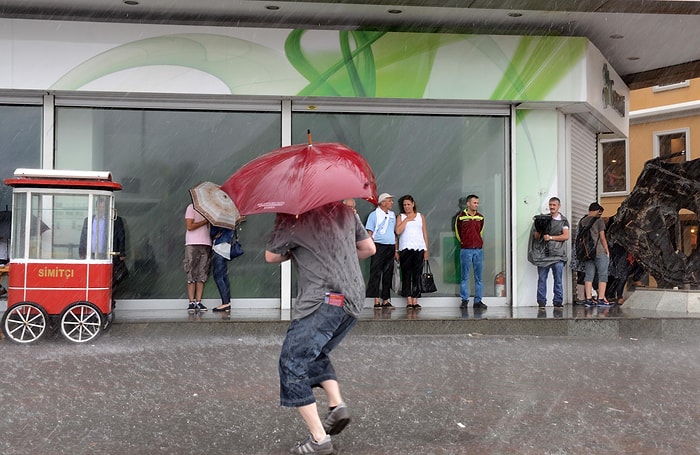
[{"x": 298, "y": 178}]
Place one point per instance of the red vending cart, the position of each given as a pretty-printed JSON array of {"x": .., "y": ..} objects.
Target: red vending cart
[{"x": 60, "y": 272}]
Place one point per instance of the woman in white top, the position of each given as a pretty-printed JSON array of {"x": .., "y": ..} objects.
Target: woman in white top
[{"x": 412, "y": 248}]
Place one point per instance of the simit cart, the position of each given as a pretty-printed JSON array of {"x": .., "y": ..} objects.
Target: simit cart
[{"x": 60, "y": 254}]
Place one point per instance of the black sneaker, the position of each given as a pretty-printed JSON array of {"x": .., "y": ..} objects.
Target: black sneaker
[
  {"x": 541, "y": 304},
  {"x": 558, "y": 305},
  {"x": 192, "y": 308},
  {"x": 464, "y": 304},
  {"x": 200, "y": 307},
  {"x": 480, "y": 306},
  {"x": 324, "y": 447},
  {"x": 337, "y": 419}
]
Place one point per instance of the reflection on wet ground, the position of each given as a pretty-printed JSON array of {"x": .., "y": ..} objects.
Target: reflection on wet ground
[{"x": 427, "y": 312}]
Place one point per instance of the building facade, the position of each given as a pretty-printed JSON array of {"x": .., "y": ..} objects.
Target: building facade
[{"x": 512, "y": 119}]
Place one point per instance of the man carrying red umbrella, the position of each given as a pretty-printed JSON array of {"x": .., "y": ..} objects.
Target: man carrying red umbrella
[
  {"x": 304, "y": 185},
  {"x": 325, "y": 244}
]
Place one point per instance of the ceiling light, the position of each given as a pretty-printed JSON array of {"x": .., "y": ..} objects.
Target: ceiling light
[
  {"x": 632, "y": 58},
  {"x": 131, "y": 2},
  {"x": 272, "y": 7},
  {"x": 394, "y": 11},
  {"x": 616, "y": 36}
]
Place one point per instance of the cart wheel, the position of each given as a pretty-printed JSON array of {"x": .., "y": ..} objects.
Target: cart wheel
[
  {"x": 81, "y": 322},
  {"x": 24, "y": 322}
]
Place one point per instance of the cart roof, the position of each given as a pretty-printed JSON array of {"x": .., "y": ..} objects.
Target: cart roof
[{"x": 63, "y": 179}]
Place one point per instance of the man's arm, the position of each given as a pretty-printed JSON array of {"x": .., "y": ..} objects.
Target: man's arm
[
  {"x": 276, "y": 258},
  {"x": 191, "y": 225},
  {"x": 564, "y": 236},
  {"x": 371, "y": 222},
  {"x": 604, "y": 242},
  {"x": 456, "y": 227},
  {"x": 365, "y": 248}
]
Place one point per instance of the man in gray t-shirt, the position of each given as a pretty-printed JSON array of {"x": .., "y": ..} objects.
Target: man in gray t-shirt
[
  {"x": 325, "y": 245},
  {"x": 601, "y": 262}
]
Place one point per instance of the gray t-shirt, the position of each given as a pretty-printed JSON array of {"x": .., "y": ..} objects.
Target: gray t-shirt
[{"x": 322, "y": 243}]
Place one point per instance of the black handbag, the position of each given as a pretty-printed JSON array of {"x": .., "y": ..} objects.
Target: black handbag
[
  {"x": 236, "y": 247},
  {"x": 427, "y": 281}
]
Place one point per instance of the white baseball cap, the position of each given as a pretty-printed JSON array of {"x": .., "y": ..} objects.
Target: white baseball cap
[{"x": 383, "y": 197}]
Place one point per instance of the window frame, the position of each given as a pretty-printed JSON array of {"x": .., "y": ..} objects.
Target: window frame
[
  {"x": 602, "y": 167},
  {"x": 659, "y": 134}
]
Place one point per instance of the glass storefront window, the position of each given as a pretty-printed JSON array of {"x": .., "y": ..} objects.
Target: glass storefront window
[
  {"x": 54, "y": 225},
  {"x": 157, "y": 155},
  {"x": 19, "y": 229},
  {"x": 438, "y": 159},
  {"x": 20, "y": 146}
]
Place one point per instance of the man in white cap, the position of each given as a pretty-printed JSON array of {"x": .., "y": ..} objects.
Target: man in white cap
[{"x": 380, "y": 225}]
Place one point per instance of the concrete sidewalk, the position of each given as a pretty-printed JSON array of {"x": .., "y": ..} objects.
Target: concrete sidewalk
[{"x": 190, "y": 388}]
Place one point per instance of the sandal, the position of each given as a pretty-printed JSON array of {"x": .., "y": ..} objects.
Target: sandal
[{"x": 377, "y": 305}]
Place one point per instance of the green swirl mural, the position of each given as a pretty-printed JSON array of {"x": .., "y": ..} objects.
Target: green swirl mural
[
  {"x": 366, "y": 64},
  {"x": 244, "y": 67}
]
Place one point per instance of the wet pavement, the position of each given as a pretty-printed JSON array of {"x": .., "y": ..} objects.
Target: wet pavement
[{"x": 182, "y": 387}]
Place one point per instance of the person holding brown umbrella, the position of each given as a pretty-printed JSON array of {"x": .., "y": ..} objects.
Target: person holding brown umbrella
[
  {"x": 215, "y": 213},
  {"x": 197, "y": 257}
]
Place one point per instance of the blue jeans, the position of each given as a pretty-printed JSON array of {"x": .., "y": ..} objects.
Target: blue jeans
[
  {"x": 469, "y": 257},
  {"x": 220, "y": 272},
  {"x": 304, "y": 361},
  {"x": 557, "y": 273}
]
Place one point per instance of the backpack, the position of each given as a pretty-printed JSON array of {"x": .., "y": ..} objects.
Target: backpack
[{"x": 584, "y": 244}]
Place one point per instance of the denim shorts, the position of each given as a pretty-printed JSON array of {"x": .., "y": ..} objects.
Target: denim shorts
[
  {"x": 304, "y": 361},
  {"x": 600, "y": 265}
]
